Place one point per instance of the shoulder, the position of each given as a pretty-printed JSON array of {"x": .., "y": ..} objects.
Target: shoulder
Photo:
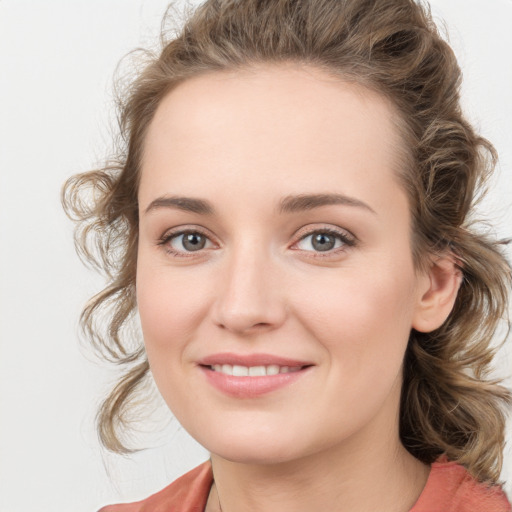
[
  {"x": 450, "y": 488},
  {"x": 188, "y": 493}
]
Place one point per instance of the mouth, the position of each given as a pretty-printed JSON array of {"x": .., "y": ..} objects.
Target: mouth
[
  {"x": 253, "y": 371},
  {"x": 253, "y": 375}
]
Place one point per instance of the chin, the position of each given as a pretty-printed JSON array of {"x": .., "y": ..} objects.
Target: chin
[
  {"x": 254, "y": 455},
  {"x": 252, "y": 447}
]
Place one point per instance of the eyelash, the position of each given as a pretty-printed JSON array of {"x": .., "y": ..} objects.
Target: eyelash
[
  {"x": 347, "y": 240},
  {"x": 168, "y": 236}
]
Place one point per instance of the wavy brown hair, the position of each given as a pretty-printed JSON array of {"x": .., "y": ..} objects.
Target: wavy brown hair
[{"x": 450, "y": 404}]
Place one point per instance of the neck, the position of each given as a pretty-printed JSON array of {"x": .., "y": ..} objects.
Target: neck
[{"x": 366, "y": 474}]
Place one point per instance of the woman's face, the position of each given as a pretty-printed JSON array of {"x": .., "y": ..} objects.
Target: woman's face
[{"x": 275, "y": 241}]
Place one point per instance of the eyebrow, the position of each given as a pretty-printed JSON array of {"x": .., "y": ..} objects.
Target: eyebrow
[
  {"x": 289, "y": 204},
  {"x": 187, "y": 204},
  {"x": 298, "y": 203}
]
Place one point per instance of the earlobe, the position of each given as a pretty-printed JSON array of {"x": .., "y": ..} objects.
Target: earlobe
[{"x": 438, "y": 290}]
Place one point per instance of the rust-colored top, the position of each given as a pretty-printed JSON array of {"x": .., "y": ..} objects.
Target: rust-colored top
[{"x": 449, "y": 488}]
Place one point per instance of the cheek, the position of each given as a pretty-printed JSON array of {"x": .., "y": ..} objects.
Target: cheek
[
  {"x": 363, "y": 319},
  {"x": 171, "y": 305}
]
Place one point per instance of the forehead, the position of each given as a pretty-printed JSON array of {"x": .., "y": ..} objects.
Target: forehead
[{"x": 270, "y": 127}]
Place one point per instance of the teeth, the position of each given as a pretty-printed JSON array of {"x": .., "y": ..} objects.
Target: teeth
[
  {"x": 253, "y": 371},
  {"x": 272, "y": 369},
  {"x": 240, "y": 371},
  {"x": 256, "y": 371}
]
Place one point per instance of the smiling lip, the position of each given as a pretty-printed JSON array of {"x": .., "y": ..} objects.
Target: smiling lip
[{"x": 249, "y": 386}]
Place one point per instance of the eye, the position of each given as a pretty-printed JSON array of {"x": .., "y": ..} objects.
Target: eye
[
  {"x": 325, "y": 240},
  {"x": 188, "y": 241},
  {"x": 182, "y": 242}
]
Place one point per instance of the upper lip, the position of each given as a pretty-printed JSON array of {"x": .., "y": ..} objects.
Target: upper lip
[{"x": 251, "y": 360}]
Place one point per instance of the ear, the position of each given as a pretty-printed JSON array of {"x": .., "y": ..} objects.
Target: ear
[{"x": 437, "y": 291}]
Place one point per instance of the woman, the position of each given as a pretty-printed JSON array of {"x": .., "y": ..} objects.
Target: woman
[{"x": 291, "y": 217}]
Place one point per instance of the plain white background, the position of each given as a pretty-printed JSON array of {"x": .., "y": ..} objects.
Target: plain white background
[{"x": 57, "y": 59}]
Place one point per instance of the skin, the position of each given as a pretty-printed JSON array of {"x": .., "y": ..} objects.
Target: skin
[{"x": 243, "y": 141}]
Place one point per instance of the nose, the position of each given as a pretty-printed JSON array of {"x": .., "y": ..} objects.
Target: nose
[{"x": 250, "y": 298}]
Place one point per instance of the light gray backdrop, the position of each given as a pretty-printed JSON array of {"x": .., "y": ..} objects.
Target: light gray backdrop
[{"x": 56, "y": 64}]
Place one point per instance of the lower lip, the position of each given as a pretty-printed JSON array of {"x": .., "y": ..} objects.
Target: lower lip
[{"x": 251, "y": 387}]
